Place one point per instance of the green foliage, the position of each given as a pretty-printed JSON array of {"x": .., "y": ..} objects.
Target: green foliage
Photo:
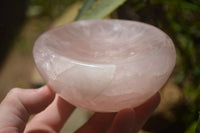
[
  {"x": 181, "y": 20},
  {"x": 49, "y": 8},
  {"x": 87, "y": 5},
  {"x": 96, "y": 9},
  {"x": 198, "y": 126},
  {"x": 192, "y": 127}
]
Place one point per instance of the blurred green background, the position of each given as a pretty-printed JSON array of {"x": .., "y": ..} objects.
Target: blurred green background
[{"x": 22, "y": 21}]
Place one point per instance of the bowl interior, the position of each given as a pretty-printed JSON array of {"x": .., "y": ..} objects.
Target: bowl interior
[{"x": 103, "y": 42}]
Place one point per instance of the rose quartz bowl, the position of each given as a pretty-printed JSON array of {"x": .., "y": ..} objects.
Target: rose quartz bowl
[{"x": 105, "y": 65}]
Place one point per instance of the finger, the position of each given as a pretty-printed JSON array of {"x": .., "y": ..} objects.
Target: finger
[
  {"x": 52, "y": 118},
  {"x": 98, "y": 123},
  {"x": 17, "y": 106},
  {"x": 144, "y": 111},
  {"x": 123, "y": 121}
]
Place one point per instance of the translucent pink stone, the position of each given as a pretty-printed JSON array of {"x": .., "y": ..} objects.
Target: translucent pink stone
[{"x": 105, "y": 65}]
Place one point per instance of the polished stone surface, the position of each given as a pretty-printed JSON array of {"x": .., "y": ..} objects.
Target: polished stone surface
[{"x": 105, "y": 65}]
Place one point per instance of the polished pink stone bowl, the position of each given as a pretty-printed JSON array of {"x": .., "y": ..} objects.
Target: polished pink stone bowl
[{"x": 105, "y": 65}]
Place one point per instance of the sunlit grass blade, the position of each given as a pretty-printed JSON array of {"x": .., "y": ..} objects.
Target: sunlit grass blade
[{"x": 97, "y": 9}]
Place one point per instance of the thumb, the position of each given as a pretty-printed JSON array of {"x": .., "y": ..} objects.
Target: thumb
[{"x": 19, "y": 104}]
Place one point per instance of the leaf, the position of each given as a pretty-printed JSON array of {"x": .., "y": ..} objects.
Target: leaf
[
  {"x": 68, "y": 15},
  {"x": 87, "y": 5},
  {"x": 97, "y": 9}
]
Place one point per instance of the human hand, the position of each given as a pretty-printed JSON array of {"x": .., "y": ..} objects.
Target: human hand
[{"x": 52, "y": 112}]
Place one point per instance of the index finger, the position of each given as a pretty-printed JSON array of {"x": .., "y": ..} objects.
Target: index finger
[{"x": 52, "y": 118}]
